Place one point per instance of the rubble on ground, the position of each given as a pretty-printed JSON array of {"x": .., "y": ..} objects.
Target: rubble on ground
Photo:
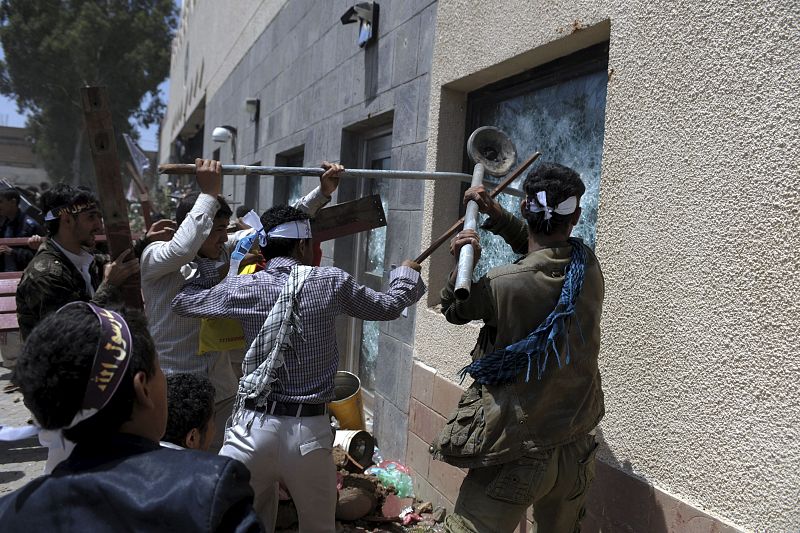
[{"x": 366, "y": 505}]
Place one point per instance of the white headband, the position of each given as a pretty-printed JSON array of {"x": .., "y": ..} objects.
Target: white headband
[
  {"x": 296, "y": 229},
  {"x": 539, "y": 204}
]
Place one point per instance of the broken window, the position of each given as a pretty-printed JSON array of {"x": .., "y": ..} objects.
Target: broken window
[{"x": 557, "y": 109}]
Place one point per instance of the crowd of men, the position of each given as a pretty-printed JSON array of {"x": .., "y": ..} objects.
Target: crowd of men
[{"x": 129, "y": 406}]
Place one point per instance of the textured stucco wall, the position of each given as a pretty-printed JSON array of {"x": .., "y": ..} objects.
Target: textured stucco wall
[
  {"x": 697, "y": 233},
  {"x": 217, "y": 37}
]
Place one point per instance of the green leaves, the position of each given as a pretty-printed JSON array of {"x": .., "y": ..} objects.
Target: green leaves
[{"x": 52, "y": 48}]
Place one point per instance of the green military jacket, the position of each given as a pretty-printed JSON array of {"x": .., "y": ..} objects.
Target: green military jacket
[
  {"x": 497, "y": 424},
  {"x": 51, "y": 280}
]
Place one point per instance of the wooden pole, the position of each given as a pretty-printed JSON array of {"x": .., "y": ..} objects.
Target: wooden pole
[{"x": 103, "y": 145}]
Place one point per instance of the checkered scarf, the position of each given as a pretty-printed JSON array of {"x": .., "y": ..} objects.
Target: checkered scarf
[{"x": 266, "y": 354}]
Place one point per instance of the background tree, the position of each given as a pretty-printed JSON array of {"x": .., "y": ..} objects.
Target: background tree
[{"x": 54, "y": 47}]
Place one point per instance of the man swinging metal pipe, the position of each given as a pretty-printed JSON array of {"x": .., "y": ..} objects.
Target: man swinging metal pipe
[{"x": 524, "y": 426}]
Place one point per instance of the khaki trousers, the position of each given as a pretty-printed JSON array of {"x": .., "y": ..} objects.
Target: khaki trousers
[
  {"x": 295, "y": 451},
  {"x": 494, "y": 498}
]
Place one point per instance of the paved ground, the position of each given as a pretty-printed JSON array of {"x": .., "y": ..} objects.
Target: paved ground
[{"x": 20, "y": 461}]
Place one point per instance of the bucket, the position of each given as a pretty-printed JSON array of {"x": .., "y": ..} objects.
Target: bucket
[
  {"x": 360, "y": 445},
  {"x": 348, "y": 408}
]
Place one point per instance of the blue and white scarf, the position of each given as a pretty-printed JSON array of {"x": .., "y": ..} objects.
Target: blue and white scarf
[{"x": 503, "y": 366}]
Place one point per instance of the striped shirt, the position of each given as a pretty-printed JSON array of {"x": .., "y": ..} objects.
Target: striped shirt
[
  {"x": 312, "y": 359},
  {"x": 165, "y": 267}
]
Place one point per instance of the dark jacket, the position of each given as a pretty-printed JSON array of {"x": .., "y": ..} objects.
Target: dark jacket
[
  {"x": 51, "y": 280},
  {"x": 20, "y": 226},
  {"x": 497, "y": 424},
  {"x": 129, "y": 483}
]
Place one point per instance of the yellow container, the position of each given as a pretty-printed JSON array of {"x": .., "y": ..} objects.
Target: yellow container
[{"x": 348, "y": 407}]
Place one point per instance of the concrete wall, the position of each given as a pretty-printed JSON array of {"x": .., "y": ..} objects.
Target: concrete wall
[
  {"x": 320, "y": 92},
  {"x": 213, "y": 36},
  {"x": 697, "y": 234}
]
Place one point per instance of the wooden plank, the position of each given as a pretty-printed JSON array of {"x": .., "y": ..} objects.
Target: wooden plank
[
  {"x": 8, "y": 286},
  {"x": 11, "y": 275},
  {"x": 23, "y": 241},
  {"x": 8, "y": 322},
  {"x": 8, "y": 304},
  {"x": 15, "y": 241},
  {"x": 348, "y": 218},
  {"x": 103, "y": 145}
]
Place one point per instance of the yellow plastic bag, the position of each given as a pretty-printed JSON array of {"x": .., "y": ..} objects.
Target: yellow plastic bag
[{"x": 222, "y": 334}]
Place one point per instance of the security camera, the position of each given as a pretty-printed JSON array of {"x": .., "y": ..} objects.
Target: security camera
[{"x": 223, "y": 134}]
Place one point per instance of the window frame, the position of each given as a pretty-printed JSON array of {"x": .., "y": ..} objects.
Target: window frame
[{"x": 355, "y": 331}]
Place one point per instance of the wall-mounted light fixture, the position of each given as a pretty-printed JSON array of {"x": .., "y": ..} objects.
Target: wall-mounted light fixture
[
  {"x": 223, "y": 134},
  {"x": 366, "y": 14},
  {"x": 252, "y": 106}
]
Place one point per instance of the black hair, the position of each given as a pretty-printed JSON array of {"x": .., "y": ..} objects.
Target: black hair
[
  {"x": 187, "y": 202},
  {"x": 62, "y": 195},
  {"x": 53, "y": 369},
  {"x": 190, "y": 401},
  {"x": 241, "y": 211},
  {"x": 10, "y": 194},
  {"x": 559, "y": 182},
  {"x": 275, "y": 216}
]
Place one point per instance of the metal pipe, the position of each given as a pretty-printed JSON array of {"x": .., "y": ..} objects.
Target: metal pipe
[
  {"x": 466, "y": 257},
  {"x": 503, "y": 186},
  {"x": 316, "y": 171}
]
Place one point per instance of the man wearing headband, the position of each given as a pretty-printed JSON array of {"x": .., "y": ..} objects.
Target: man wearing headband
[
  {"x": 202, "y": 233},
  {"x": 66, "y": 268},
  {"x": 280, "y": 428},
  {"x": 91, "y": 376},
  {"x": 524, "y": 426}
]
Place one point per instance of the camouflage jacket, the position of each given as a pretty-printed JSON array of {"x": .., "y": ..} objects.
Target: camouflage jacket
[
  {"x": 495, "y": 424},
  {"x": 51, "y": 280}
]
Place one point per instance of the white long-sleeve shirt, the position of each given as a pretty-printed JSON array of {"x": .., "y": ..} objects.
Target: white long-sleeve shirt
[{"x": 165, "y": 267}]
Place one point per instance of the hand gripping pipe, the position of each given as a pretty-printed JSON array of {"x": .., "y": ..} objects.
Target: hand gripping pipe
[{"x": 466, "y": 257}]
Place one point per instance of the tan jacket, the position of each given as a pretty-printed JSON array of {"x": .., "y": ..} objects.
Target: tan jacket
[{"x": 497, "y": 424}]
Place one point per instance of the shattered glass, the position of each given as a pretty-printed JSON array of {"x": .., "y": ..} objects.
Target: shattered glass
[
  {"x": 375, "y": 265},
  {"x": 565, "y": 122}
]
